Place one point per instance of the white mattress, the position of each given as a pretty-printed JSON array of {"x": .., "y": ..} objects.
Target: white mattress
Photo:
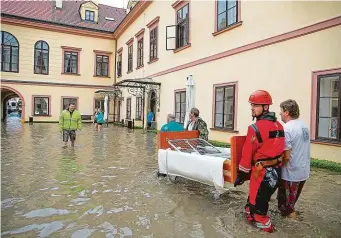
[{"x": 207, "y": 169}]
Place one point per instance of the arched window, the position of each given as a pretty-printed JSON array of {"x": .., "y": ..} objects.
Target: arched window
[
  {"x": 9, "y": 52},
  {"x": 41, "y": 57}
]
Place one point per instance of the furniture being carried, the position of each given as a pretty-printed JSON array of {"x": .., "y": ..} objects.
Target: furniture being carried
[{"x": 185, "y": 155}]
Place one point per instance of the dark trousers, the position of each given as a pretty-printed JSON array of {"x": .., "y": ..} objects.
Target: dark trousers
[{"x": 262, "y": 187}]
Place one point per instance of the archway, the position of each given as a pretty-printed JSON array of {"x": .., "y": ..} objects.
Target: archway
[{"x": 7, "y": 93}]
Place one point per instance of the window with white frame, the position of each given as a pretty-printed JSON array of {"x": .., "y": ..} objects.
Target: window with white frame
[
  {"x": 180, "y": 106},
  {"x": 328, "y": 107},
  {"x": 224, "y": 104}
]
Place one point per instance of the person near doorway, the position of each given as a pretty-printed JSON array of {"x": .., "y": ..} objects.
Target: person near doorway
[
  {"x": 296, "y": 159},
  {"x": 150, "y": 118},
  {"x": 99, "y": 119},
  {"x": 261, "y": 160},
  {"x": 196, "y": 123},
  {"x": 95, "y": 118},
  {"x": 70, "y": 120},
  {"x": 172, "y": 125}
]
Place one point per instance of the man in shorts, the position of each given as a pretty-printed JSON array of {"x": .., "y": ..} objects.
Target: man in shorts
[
  {"x": 69, "y": 121},
  {"x": 296, "y": 159}
]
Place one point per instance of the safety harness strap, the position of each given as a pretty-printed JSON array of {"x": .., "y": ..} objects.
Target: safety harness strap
[{"x": 259, "y": 137}]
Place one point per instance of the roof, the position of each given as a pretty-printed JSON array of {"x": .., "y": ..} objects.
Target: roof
[{"x": 69, "y": 15}]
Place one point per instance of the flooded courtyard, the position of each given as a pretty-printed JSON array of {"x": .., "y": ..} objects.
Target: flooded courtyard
[{"x": 107, "y": 187}]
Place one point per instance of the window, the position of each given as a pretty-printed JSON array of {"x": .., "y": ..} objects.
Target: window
[
  {"x": 182, "y": 33},
  {"x": 128, "y": 112},
  {"x": 130, "y": 58},
  {"x": 138, "y": 108},
  {"x": 9, "y": 53},
  {"x": 102, "y": 63},
  {"x": 89, "y": 15},
  {"x": 99, "y": 103},
  {"x": 67, "y": 100},
  {"x": 153, "y": 44},
  {"x": 227, "y": 13},
  {"x": 41, "y": 106},
  {"x": 140, "y": 53},
  {"x": 119, "y": 65},
  {"x": 41, "y": 57},
  {"x": 70, "y": 62},
  {"x": 224, "y": 107},
  {"x": 180, "y": 107},
  {"x": 328, "y": 109}
]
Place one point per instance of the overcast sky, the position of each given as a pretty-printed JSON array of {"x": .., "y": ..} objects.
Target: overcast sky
[{"x": 115, "y": 3}]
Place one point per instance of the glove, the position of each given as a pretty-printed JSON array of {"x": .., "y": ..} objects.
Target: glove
[{"x": 241, "y": 178}]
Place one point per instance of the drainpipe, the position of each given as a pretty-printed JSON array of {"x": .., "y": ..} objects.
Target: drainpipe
[
  {"x": 114, "y": 80},
  {"x": 115, "y": 61},
  {"x": 143, "y": 104}
]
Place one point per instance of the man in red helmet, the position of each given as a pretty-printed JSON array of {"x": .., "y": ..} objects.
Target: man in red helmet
[{"x": 261, "y": 159}]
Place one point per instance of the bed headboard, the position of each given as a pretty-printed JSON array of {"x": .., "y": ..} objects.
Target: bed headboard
[
  {"x": 163, "y": 137},
  {"x": 237, "y": 143}
]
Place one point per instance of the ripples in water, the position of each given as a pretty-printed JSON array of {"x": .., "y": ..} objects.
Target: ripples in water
[{"x": 107, "y": 186}]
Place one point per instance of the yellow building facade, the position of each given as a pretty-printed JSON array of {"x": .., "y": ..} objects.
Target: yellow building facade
[
  {"x": 232, "y": 48},
  {"x": 49, "y": 65}
]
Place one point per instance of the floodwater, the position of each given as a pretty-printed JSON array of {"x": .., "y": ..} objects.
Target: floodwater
[{"x": 107, "y": 187}]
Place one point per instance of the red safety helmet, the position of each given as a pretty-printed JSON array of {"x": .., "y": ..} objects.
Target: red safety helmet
[{"x": 260, "y": 97}]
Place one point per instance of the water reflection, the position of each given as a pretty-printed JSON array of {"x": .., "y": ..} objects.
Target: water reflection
[{"x": 107, "y": 187}]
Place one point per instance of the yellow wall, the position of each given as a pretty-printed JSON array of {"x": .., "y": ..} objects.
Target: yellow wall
[
  {"x": 85, "y": 99},
  {"x": 27, "y": 37},
  {"x": 284, "y": 69},
  {"x": 261, "y": 20}
]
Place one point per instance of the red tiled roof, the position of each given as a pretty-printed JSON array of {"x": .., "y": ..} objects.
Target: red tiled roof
[{"x": 68, "y": 15}]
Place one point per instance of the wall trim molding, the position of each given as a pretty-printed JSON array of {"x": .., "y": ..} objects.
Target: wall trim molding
[
  {"x": 52, "y": 84},
  {"x": 255, "y": 45}
]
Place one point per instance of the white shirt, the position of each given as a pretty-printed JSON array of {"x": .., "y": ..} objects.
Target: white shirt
[
  {"x": 190, "y": 126},
  {"x": 297, "y": 139}
]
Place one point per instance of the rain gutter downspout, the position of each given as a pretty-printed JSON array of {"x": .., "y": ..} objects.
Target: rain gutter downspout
[{"x": 115, "y": 66}]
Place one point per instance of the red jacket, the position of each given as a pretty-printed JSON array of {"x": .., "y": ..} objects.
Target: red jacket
[{"x": 271, "y": 146}]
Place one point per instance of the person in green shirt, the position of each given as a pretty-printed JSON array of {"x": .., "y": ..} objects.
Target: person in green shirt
[
  {"x": 70, "y": 120},
  {"x": 171, "y": 125}
]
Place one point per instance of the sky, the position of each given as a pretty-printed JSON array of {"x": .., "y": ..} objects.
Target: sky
[{"x": 115, "y": 3}]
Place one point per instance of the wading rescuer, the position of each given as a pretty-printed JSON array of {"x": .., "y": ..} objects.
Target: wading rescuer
[{"x": 261, "y": 160}]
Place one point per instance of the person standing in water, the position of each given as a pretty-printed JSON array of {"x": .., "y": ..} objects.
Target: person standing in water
[
  {"x": 95, "y": 118},
  {"x": 70, "y": 120},
  {"x": 296, "y": 159},
  {"x": 261, "y": 160},
  {"x": 99, "y": 119},
  {"x": 150, "y": 118}
]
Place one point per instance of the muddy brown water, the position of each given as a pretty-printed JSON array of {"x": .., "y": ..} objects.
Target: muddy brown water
[{"x": 107, "y": 187}]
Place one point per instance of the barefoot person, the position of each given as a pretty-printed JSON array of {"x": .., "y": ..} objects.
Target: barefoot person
[
  {"x": 69, "y": 121},
  {"x": 296, "y": 159}
]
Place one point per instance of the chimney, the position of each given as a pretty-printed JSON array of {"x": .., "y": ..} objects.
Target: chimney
[{"x": 59, "y": 4}]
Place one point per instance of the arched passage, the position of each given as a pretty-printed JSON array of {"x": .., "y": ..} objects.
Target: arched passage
[{"x": 9, "y": 92}]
